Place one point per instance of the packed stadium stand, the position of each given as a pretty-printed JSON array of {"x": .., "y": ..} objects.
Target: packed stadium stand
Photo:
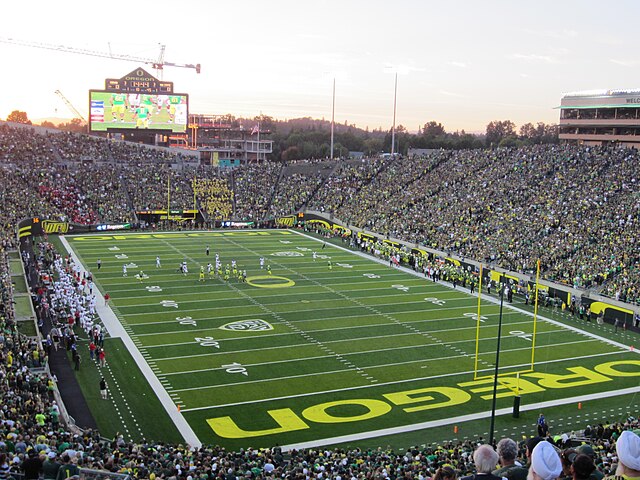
[{"x": 576, "y": 208}]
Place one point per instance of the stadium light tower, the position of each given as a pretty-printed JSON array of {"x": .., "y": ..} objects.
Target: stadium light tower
[
  {"x": 333, "y": 114},
  {"x": 396, "y": 69},
  {"x": 393, "y": 128}
]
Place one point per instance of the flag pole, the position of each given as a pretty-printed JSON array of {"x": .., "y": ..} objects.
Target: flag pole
[{"x": 258, "y": 148}]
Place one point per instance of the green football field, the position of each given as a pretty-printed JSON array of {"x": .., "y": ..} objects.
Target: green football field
[{"x": 319, "y": 354}]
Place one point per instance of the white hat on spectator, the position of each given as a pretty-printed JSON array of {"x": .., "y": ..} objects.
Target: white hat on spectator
[
  {"x": 628, "y": 448},
  {"x": 545, "y": 461}
]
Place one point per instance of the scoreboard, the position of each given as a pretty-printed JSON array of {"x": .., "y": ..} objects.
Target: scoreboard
[
  {"x": 138, "y": 101},
  {"x": 138, "y": 81}
]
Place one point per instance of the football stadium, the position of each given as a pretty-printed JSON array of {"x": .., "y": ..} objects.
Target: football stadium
[
  {"x": 279, "y": 329},
  {"x": 190, "y": 296}
]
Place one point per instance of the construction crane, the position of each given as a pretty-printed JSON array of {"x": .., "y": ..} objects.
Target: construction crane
[
  {"x": 158, "y": 64},
  {"x": 70, "y": 106}
]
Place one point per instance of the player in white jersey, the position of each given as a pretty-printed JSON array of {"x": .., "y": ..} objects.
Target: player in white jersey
[
  {"x": 161, "y": 101},
  {"x": 261, "y": 263},
  {"x": 124, "y": 270},
  {"x": 209, "y": 268},
  {"x": 315, "y": 255},
  {"x": 184, "y": 268},
  {"x": 233, "y": 264},
  {"x": 158, "y": 262},
  {"x": 134, "y": 101}
]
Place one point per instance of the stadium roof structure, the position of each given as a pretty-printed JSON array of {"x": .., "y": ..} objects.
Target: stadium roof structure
[{"x": 602, "y": 93}]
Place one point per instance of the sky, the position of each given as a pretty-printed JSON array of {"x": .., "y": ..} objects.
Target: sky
[{"x": 460, "y": 63}]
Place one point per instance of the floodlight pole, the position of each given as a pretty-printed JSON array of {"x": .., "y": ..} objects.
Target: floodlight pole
[
  {"x": 333, "y": 112},
  {"x": 393, "y": 128},
  {"x": 495, "y": 375}
]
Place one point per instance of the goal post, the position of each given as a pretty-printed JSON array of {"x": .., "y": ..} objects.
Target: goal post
[{"x": 528, "y": 364}]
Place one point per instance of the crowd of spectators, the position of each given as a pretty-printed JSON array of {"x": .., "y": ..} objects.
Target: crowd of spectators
[
  {"x": 214, "y": 197},
  {"x": 293, "y": 192},
  {"x": 575, "y": 208},
  {"x": 253, "y": 186}
]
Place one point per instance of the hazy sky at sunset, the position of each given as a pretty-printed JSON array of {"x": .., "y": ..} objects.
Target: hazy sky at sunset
[{"x": 462, "y": 63}]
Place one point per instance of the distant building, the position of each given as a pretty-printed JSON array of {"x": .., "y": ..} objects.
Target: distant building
[
  {"x": 225, "y": 145},
  {"x": 606, "y": 117}
]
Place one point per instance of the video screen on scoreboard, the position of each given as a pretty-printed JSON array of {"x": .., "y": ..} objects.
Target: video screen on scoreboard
[{"x": 112, "y": 110}]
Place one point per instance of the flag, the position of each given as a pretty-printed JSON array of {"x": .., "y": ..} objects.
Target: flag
[{"x": 255, "y": 130}]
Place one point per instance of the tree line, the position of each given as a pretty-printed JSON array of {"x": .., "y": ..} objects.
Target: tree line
[{"x": 304, "y": 138}]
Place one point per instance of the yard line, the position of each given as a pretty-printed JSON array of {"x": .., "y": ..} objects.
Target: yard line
[
  {"x": 454, "y": 420},
  {"x": 263, "y": 307},
  {"x": 325, "y": 319},
  {"x": 426, "y": 309},
  {"x": 373, "y": 337},
  {"x": 397, "y": 382},
  {"x": 405, "y": 312},
  {"x": 364, "y": 352},
  {"x": 488, "y": 298},
  {"x": 288, "y": 346},
  {"x": 275, "y": 295}
]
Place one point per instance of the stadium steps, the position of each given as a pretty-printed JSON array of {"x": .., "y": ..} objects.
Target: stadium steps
[
  {"x": 54, "y": 149},
  {"x": 320, "y": 184},
  {"x": 123, "y": 186},
  {"x": 274, "y": 189}
]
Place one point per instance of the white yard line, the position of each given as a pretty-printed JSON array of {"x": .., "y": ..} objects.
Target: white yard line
[
  {"x": 484, "y": 297},
  {"x": 116, "y": 329},
  {"x": 454, "y": 420},
  {"x": 382, "y": 384}
]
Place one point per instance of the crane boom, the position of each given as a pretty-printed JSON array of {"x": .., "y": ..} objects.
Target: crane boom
[
  {"x": 70, "y": 106},
  {"x": 157, "y": 64}
]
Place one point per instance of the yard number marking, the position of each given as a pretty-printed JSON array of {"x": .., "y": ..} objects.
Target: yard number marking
[
  {"x": 207, "y": 342},
  {"x": 236, "y": 367},
  {"x": 169, "y": 303},
  {"x": 154, "y": 288},
  {"x": 401, "y": 287},
  {"x": 370, "y": 275},
  {"x": 435, "y": 301},
  {"x": 521, "y": 334},
  {"x": 474, "y": 315},
  {"x": 186, "y": 321}
]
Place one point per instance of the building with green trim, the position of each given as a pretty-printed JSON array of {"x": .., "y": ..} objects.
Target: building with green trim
[{"x": 601, "y": 117}]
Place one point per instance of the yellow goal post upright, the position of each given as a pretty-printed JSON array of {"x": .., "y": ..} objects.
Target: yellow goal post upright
[{"x": 526, "y": 367}]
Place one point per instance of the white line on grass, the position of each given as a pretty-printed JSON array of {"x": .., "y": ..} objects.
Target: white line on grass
[
  {"x": 361, "y": 338},
  {"x": 395, "y": 382},
  {"x": 484, "y": 297},
  {"x": 116, "y": 330},
  {"x": 363, "y": 352},
  {"x": 454, "y": 420}
]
